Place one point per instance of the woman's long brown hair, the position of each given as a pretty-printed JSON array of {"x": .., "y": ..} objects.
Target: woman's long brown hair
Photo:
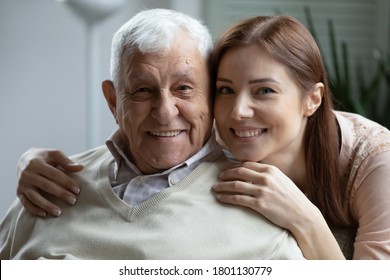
[{"x": 289, "y": 42}]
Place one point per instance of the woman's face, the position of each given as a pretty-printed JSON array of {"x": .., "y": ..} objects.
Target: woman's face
[{"x": 259, "y": 111}]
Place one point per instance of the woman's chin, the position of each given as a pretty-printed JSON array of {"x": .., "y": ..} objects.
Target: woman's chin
[{"x": 244, "y": 158}]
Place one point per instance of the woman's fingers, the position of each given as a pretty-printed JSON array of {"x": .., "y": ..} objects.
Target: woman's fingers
[
  {"x": 242, "y": 200},
  {"x": 30, "y": 207},
  {"x": 36, "y": 201},
  {"x": 237, "y": 187},
  {"x": 55, "y": 178},
  {"x": 249, "y": 172},
  {"x": 45, "y": 182},
  {"x": 59, "y": 159}
]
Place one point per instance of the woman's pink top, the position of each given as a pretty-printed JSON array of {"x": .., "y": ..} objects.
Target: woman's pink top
[{"x": 365, "y": 167}]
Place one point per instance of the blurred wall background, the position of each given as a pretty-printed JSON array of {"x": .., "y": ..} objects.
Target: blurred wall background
[{"x": 45, "y": 93}]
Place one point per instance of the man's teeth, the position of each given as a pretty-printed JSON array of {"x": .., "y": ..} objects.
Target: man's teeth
[
  {"x": 165, "y": 133},
  {"x": 247, "y": 133}
]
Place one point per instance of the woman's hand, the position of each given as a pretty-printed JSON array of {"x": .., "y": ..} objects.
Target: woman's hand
[
  {"x": 42, "y": 171},
  {"x": 267, "y": 190}
]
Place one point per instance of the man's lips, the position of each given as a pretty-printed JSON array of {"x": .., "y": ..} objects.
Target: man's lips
[{"x": 167, "y": 133}]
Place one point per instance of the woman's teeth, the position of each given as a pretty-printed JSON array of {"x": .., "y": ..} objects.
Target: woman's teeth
[{"x": 247, "y": 133}]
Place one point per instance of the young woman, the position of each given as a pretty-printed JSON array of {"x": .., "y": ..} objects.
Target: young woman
[
  {"x": 301, "y": 164},
  {"x": 304, "y": 165}
]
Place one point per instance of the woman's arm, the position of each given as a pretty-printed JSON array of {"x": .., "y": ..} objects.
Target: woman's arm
[
  {"x": 267, "y": 190},
  {"x": 371, "y": 208},
  {"x": 41, "y": 172}
]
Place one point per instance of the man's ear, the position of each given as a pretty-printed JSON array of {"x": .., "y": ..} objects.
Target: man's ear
[
  {"x": 110, "y": 95},
  {"x": 313, "y": 99}
]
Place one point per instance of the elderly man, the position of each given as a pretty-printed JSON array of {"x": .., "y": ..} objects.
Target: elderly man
[{"x": 147, "y": 193}]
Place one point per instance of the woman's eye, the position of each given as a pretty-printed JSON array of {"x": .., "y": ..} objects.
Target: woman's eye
[
  {"x": 265, "y": 90},
  {"x": 224, "y": 90}
]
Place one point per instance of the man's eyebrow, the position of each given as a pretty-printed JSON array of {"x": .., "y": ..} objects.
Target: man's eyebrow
[
  {"x": 183, "y": 75},
  {"x": 141, "y": 78}
]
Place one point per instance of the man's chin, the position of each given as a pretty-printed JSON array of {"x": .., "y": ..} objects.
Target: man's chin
[
  {"x": 165, "y": 164},
  {"x": 164, "y": 161}
]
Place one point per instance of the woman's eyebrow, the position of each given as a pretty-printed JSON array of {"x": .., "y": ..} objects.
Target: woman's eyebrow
[
  {"x": 224, "y": 80},
  {"x": 263, "y": 80}
]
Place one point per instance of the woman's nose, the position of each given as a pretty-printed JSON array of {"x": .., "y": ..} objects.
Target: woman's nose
[{"x": 243, "y": 107}]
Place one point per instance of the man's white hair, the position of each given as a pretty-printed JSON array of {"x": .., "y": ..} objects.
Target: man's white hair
[{"x": 153, "y": 31}]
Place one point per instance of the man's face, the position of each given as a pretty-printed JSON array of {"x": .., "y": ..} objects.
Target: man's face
[{"x": 163, "y": 110}]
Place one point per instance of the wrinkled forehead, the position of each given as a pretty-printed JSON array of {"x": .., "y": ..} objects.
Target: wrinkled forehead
[{"x": 180, "y": 60}]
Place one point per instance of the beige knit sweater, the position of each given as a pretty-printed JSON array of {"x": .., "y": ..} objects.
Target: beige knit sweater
[{"x": 181, "y": 222}]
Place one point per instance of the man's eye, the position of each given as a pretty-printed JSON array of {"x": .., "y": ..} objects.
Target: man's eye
[
  {"x": 143, "y": 90},
  {"x": 224, "y": 90},
  {"x": 141, "y": 94},
  {"x": 184, "y": 88}
]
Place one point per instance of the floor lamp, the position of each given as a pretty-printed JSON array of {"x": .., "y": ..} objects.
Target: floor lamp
[{"x": 92, "y": 12}]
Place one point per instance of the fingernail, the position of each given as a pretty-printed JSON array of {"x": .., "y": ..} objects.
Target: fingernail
[
  {"x": 56, "y": 212},
  {"x": 71, "y": 200},
  {"x": 42, "y": 214},
  {"x": 75, "y": 189}
]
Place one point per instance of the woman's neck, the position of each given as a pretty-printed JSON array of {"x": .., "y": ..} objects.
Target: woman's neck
[{"x": 293, "y": 166}]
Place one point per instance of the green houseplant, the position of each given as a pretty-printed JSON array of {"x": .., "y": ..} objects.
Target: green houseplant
[{"x": 372, "y": 99}]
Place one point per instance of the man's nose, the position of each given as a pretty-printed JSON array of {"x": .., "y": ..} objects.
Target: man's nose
[{"x": 164, "y": 108}]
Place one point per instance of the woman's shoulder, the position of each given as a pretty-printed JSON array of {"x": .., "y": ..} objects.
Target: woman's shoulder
[
  {"x": 365, "y": 143},
  {"x": 361, "y": 134}
]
